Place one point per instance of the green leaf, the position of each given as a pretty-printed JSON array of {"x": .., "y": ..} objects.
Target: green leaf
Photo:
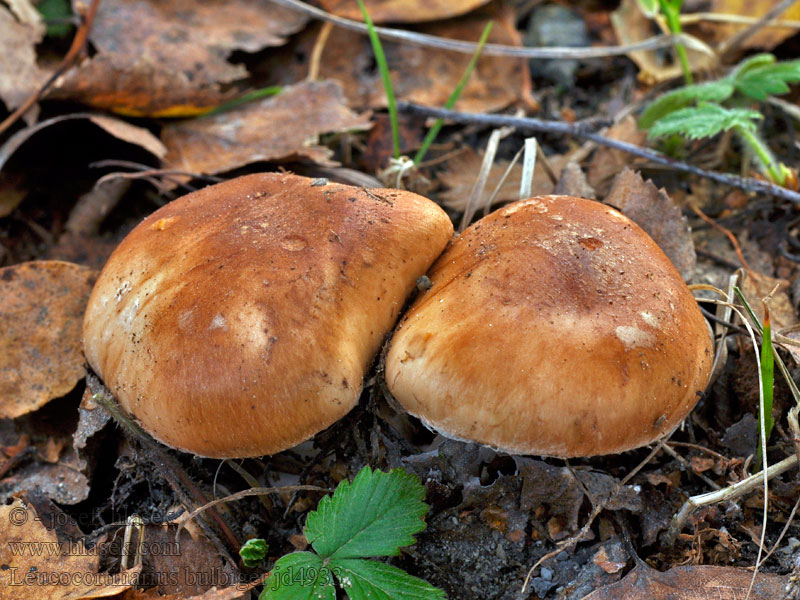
[
  {"x": 376, "y": 515},
  {"x": 451, "y": 101},
  {"x": 705, "y": 120},
  {"x": 383, "y": 68},
  {"x": 767, "y": 78},
  {"x": 253, "y": 552},
  {"x": 299, "y": 576},
  {"x": 56, "y": 14},
  {"x": 712, "y": 91},
  {"x": 752, "y": 62},
  {"x": 370, "y": 580}
]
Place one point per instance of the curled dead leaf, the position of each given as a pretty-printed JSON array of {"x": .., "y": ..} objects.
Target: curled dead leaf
[
  {"x": 655, "y": 212},
  {"x": 279, "y": 128},
  {"x": 170, "y": 58},
  {"x": 690, "y": 583}
]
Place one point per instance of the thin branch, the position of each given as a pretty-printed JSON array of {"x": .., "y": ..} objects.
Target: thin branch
[
  {"x": 432, "y": 41},
  {"x": 579, "y": 130}
]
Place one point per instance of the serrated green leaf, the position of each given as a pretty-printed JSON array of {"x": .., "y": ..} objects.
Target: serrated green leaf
[
  {"x": 370, "y": 580},
  {"x": 703, "y": 121},
  {"x": 712, "y": 91},
  {"x": 769, "y": 79},
  {"x": 253, "y": 552},
  {"x": 299, "y": 576},
  {"x": 752, "y": 62},
  {"x": 376, "y": 515}
]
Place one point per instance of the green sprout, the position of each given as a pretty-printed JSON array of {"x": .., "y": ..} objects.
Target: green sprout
[
  {"x": 671, "y": 9},
  {"x": 253, "y": 552},
  {"x": 699, "y": 110},
  {"x": 383, "y": 69},
  {"x": 375, "y": 515},
  {"x": 765, "y": 419}
]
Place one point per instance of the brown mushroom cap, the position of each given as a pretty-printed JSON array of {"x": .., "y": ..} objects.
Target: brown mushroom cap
[
  {"x": 239, "y": 320},
  {"x": 556, "y": 327}
]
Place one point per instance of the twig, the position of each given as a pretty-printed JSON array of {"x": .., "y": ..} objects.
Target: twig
[
  {"x": 316, "y": 52},
  {"x": 729, "y": 493},
  {"x": 727, "y": 233},
  {"x": 699, "y": 17},
  {"x": 432, "y": 41},
  {"x": 252, "y": 492},
  {"x": 77, "y": 48},
  {"x": 94, "y": 206},
  {"x": 579, "y": 130},
  {"x": 687, "y": 465}
]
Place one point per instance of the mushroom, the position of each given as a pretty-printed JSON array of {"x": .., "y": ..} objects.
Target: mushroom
[
  {"x": 555, "y": 327},
  {"x": 239, "y": 320}
]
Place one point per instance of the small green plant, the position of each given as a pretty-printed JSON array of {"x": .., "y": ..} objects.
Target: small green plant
[
  {"x": 767, "y": 372},
  {"x": 383, "y": 69},
  {"x": 375, "y": 515},
  {"x": 706, "y": 109},
  {"x": 671, "y": 9},
  {"x": 253, "y": 552}
]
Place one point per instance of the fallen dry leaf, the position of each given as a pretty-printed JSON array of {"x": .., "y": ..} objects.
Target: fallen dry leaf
[
  {"x": 572, "y": 182},
  {"x": 169, "y": 58},
  {"x": 556, "y": 487},
  {"x": 116, "y": 127},
  {"x": 655, "y": 212},
  {"x": 402, "y": 11},
  {"x": 606, "y": 162},
  {"x": 764, "y": 39},
  {"x": 462, "y": 170},
  {"x": 602, "y": 560},
  {"x": 41, "y": 315},
  {"x": 422, "y": 75},
  {"x": 233, "y": 592},
  {"x": 631, "y": 25},
  {"x": 93, "y": 419},
  {"x": 690, "y": 583},
  {"x": 187, "y": 567},
  {"x": 282, "y": 127},
  {"x": 36, "y": 565},
  {"x": 20, "y": 76}
]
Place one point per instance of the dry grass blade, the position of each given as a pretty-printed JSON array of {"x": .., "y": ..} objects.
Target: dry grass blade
[
  {"x": 483, "y": 175},
  {"x": 528, "y": 165}
]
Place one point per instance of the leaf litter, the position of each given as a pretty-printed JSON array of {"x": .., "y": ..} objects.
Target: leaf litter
[{"x": 492, "y": 516}]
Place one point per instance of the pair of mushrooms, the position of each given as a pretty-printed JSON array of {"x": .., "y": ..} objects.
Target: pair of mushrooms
[{"x": 240, "y": 320}]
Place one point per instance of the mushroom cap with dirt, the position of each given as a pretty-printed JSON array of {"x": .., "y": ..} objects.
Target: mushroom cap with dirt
[
  {"x": 554, "y": 327},
  {"x": 240, "y": 320}
]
